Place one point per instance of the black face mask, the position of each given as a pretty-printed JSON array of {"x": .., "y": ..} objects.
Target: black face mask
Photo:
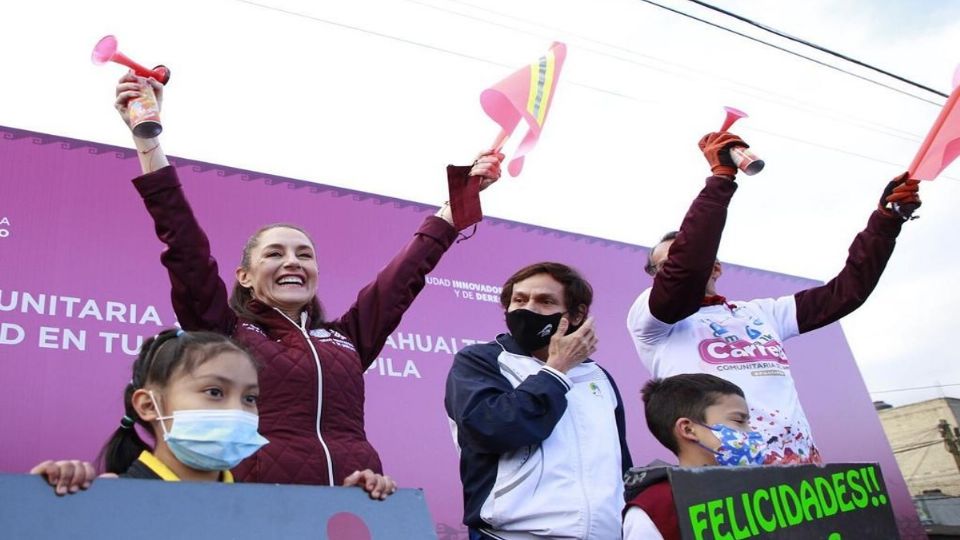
[{"x": 532, "y": 330}]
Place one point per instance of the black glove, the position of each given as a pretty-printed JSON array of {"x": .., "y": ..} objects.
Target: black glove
[{"x": 901, "y": 198}]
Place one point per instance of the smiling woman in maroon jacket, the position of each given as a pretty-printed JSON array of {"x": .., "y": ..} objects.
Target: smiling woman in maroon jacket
[{"x": 312, "y": 388}]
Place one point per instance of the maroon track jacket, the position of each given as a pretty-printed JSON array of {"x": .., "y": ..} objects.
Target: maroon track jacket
[{"x": 312, "y": 388}]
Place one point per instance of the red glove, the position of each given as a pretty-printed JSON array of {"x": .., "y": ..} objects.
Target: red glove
[
  {"x": 901, "y": 197},
  {"x": 716, "y": 148}
]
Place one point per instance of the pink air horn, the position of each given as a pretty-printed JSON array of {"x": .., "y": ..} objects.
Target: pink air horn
[
  {"x": 745, "y": 160},
  {"x": 143, "y": 112}
]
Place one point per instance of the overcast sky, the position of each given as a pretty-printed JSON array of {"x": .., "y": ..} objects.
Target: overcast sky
[{"x": 378, "y": 95}]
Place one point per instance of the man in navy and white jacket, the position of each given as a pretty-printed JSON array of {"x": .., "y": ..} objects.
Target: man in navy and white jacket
[{"x": 539, "y": 424}]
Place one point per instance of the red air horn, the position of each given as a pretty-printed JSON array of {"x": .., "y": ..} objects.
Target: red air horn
[
  {"x": 745, "y": 160},
  {"x": 143, "y": 112}
]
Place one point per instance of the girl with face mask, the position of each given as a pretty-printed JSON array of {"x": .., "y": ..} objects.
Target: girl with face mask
[{"x": 196, "y": 394}]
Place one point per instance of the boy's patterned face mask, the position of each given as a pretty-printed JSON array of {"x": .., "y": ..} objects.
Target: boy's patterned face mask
[{"x": 737, "y": 448}]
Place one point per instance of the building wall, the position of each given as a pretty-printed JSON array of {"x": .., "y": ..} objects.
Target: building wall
[{"x": 924, "y": 466}]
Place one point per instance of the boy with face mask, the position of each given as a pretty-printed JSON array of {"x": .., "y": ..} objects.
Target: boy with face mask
[
  {"x": 705, "y": 421},
  {"x": 539, "y": 425}
]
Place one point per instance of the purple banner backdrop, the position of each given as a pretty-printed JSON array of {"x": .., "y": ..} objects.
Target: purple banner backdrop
[{"x": 81, "y": 283}]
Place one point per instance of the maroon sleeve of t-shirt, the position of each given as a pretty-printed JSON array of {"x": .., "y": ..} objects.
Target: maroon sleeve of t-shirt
[{"x": 679, "y": 286}]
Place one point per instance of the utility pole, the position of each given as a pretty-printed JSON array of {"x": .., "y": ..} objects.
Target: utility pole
[{"x": 951, "y": 439}]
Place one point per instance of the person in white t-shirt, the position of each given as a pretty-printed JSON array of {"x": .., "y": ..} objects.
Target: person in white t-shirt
[{"x": 681, "y": 325}]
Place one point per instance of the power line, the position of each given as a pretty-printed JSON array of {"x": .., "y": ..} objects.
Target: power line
[
  {"x": 372, "y": 32},
  {"x": 502, "y": 65},
  {"x": 912, "y": 137},
  {"x": 916, "y": 447},
  {"x": 849, "y": 153},
  {"x": 913, "y": 388},
  {"x": 915, "y": 437},
  {"x": 919, "y": 464},
  {"x": 780, "y": 99},
  {"x": 788, "y": 51},
  {"x": 818, "y": 47},
  {"x": 421, "y": 44}
]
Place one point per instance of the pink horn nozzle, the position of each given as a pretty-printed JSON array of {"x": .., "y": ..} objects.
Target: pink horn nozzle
[
  {"x": 104, "y": 50},
  {"x": 956, "y": 77},
  {"x": 733, "y": 115}
]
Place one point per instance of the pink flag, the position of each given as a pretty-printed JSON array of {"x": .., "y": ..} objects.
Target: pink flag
[
  {"x": 942, "y": 144},
  {"x": 525, "y": 94}
]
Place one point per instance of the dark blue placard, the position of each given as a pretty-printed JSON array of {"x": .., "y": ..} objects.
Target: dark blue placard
[{"x": 148, "y": 509}]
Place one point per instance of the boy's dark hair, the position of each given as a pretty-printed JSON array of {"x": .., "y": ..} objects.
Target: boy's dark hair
[
  {"x": 576, "y": 290},
  {"x": 649, "y": 268},
  {"x": 160, "y": 358},
  {"x": 681, "y": 396}
]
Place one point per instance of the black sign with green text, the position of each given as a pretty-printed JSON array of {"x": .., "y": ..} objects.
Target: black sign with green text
[{"x": 832, "y": 502}]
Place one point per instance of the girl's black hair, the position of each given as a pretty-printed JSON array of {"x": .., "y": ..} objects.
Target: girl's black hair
[{"x": 160, "y": 357}]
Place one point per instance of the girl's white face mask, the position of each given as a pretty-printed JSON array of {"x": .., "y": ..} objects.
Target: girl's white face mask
[{"x": 211, "y": 439}]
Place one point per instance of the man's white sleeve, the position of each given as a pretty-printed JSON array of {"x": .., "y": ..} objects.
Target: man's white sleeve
[
  {"x": 782, "y": 313},
  {"x": 645, "y": 329},
  {"x": 637, "y": 525}
]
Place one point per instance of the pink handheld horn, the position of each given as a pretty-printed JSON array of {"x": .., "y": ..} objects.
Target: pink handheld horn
[
  {"x": 745, "y": 160},
  {"x": 106, "y": 51},
  {"x": 732, "y": 116}
]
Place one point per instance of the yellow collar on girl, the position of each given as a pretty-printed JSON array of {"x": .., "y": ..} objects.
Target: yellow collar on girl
[{"x": 166, "y": 474}]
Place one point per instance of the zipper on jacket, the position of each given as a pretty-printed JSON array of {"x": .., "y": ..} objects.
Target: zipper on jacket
[
  {"x": 583, "y": 489},
  {"x": 316, "y": 358}
]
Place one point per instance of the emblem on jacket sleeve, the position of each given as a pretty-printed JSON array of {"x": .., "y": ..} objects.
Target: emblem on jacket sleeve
[{"x": 332, "y": 336}]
